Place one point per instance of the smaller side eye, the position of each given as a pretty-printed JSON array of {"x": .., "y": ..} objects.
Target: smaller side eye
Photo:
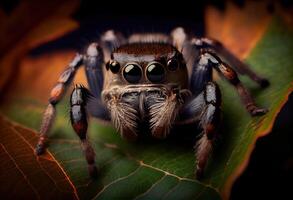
[
  {"x": 114, "y": 66},
  {"x": 172, "y": 64}
]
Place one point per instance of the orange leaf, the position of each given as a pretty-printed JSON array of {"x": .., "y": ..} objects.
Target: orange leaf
[
  {"x": 239, "y": 29},
  {"x": 21, "y": 171}
]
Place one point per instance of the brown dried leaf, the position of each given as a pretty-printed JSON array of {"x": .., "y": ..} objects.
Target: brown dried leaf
[{"x": 23, "y": 175}]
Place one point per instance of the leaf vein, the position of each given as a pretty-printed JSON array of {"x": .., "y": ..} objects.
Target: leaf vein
[
  {"x": 115, "y": 181},
  {"x": 151, "y": 187},
  {"x": 22, "y": 173}
]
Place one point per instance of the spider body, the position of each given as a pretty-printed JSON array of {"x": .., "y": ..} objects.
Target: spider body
[{"x": 147, "y": 84}]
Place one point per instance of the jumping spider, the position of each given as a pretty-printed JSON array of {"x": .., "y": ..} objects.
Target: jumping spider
[{"x": 154, "y": 81}]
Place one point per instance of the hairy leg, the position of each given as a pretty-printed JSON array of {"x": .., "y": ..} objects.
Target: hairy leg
[
  {"x": 236, "y": 63},
  {"x": 208, "y": 59},
  {"x": 92, "y": 60},
  {"x": 78, "y": 117},
  {"x": 55, "y": 96},
  {"x": 94, "y": 63},
  {"x": 205, "y": 109},
  {"x": 110, "y": 40},
  {"x": 179, "y": 37}
]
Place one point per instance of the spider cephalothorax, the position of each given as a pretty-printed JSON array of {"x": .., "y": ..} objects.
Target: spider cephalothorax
[
  {"x": 148, "y": 83},
  {"x": 146, "y": 88}
]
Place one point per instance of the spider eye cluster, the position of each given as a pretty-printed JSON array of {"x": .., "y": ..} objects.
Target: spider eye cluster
[{"x": 154, "y": 72}]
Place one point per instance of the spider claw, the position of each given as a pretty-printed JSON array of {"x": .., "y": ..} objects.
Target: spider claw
[
  {"x": 40, "y": 149},
  {"x": 264, "y": 83},
  {"x": 199, "y": 173},
  {"x": 93, "y": 171}
]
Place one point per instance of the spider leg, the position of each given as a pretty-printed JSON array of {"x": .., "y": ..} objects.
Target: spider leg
[
  {"x": 179, "y": 37},
  {"x": 236, "y": 63},
  {"x": 78, "y": 117},
  {"x": 204, "y": 108},
  {"x": 56, "y": 95},
  {"x": 110, "y": 40},
  {"x": 92, "y": 60},
  {"x": 207, "y": 58}
]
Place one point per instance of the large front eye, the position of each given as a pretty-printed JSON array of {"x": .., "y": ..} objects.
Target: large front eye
[
  {"x": 132, "y": 73},
  {"x": 155, "y": 72}
]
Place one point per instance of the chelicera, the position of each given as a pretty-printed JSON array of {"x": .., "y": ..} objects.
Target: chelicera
[{"x": 148, "y": 84}]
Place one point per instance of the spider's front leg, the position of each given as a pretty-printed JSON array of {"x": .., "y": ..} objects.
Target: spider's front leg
[
  {"x": 78, "y": 117},
  {"x": 55, "y": 96},
  {"x": 205, "y": 109},
  {"x": 93, "y": 59}
]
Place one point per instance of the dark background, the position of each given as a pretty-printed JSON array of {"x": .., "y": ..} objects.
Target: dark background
[{"x": 269, "y": 174}]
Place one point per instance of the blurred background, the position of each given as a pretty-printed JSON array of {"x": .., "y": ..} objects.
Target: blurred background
[{"x": 36, "y": 35}]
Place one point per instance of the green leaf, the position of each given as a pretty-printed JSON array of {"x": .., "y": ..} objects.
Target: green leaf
[{"x": 165, "y": 169}]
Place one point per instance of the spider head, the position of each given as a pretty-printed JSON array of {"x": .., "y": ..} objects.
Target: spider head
[{"x": 142, "y": 87}]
